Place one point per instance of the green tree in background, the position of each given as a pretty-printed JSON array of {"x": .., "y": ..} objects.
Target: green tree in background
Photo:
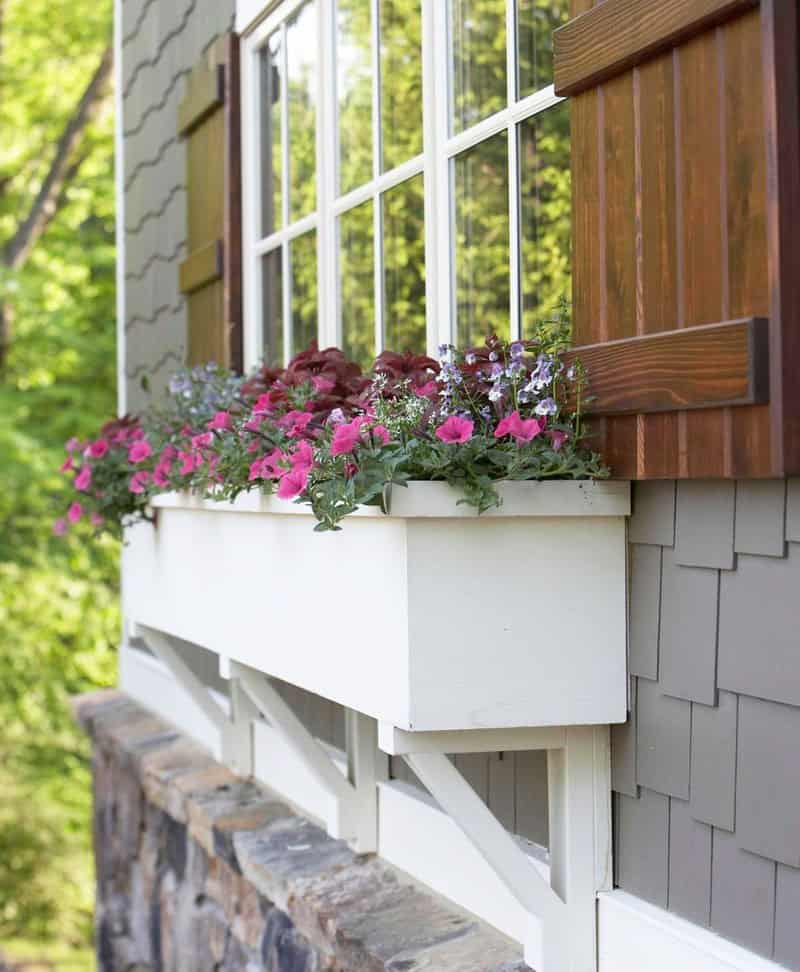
[{"x": 58, "y": 598}]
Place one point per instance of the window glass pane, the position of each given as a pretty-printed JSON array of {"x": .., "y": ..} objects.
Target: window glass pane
[
  {"x": 304, "y": 290},
  {"x": 482, "y": 241},
  {"x": 401, "y": 80},
  {"x": 271, "y": 144},
  {"x": 272, "y": 287},
  {"x": 545, "y": 215},
  {"x": 479, "y": 60},
  {"x": 301, "y": 55},
  {"x": 356, "y": 263},
  {"x": 404, "y": 266},
  {"x": 536, "y": 21},
  {"x": 354, "y": 91}
]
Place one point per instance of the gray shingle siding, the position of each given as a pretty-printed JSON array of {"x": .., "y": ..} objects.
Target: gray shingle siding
[{"x": 715, "y": 832}]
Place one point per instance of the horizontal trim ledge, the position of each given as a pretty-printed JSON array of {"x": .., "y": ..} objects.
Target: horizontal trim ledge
[
  {"x": 635, "y": 935},
  {"x": 618, "y": 34},
  {"x": 554, "y": 498},
  {"x": 710, "y": 366}
]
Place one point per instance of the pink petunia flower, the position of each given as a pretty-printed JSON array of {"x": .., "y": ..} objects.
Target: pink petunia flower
[
  {"x": 138, "y": 481},
  {"x": 253, "y": 424},
  {"x": 59, "y": 527},
  {"x": 221, "y": 422},
  {"x": 292, "y": 484},
  {"x": 381, "y": 434},
  {"x": 346, "y": 436},
  {"x": 202, "y": 441},
  {"x": 455, "y": 430},
  {"x": 96, "y": 520},
  {"x": 98, "y": 449},
  {"x": 72, "y": 445},
  {"x": 523, "y": 430},
  {"x": 295, "y": 422},
  {"x": 75, "y": 512},
  {"x": 139, "y": 451},
  {"x": 302, "y": 457},
  {"x": 84, "y": 479},
  {"x": 271, "y": 465},
  {"x": 264, "y": 404},
  {"x": 168, "y": 453},
  {"x": 161, "y": 473},
  {"x": 68, "y": 465}
]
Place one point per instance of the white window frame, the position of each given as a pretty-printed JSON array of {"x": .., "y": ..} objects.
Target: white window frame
[{"x": 435, "y": 164}]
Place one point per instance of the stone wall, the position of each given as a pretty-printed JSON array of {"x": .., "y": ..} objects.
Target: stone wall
[{"x": 198, "y": 871}]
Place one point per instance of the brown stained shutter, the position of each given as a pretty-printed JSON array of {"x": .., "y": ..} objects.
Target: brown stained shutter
[
  {"x": 211, "y": 275},
  {"x": 686, "y": 226}
]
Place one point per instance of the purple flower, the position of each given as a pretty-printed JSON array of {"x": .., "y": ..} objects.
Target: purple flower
[
  {"x": 517, "y": 350},
  {"x": 546, "y": 406}
]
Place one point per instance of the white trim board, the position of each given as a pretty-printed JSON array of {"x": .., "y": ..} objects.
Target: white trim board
[
  {"x": 151, "y": 684},
  {"x": 635, "y": 936},
  {"x": 415, "y": 835},
  {"x": 276, "y": 766}
]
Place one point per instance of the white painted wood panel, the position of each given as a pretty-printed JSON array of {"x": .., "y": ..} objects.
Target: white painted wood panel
[
  {"x": 415, "y": 835},
  {"x": 151, "y": 684},
  {"x": 521, "y": 616},
  {"x": 635, "y": 935}
]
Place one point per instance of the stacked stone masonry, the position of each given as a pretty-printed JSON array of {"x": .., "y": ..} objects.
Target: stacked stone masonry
[
  {"x": 198, "y": 871},
  {"x": 706, "y": 772}
]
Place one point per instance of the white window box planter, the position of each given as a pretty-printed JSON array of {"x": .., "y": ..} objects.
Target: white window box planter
[{"x": 432, "y": 618}]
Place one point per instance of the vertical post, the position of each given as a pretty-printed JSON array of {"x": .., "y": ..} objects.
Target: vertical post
[
  {"x": 366, "y": 767},
  {"x": 578, "y": 779},
  {"x": 237, "y": 737}
]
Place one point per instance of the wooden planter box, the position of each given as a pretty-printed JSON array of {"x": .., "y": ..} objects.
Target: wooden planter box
[{"x": 431, "y": 618}]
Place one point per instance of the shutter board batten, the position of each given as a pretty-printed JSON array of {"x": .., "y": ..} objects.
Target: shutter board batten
[
  {"x": 686, "y": 208},
  {"x": 210, "y": 276}
]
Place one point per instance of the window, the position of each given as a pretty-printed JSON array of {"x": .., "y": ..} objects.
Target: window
[{"x": 402, "y": 190}]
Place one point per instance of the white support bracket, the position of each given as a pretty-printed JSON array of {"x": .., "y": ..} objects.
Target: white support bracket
[
  {"x": 354, "y": 798},
  {"x": 235, "y": 727},
  {"x": 563, "y": 925}
]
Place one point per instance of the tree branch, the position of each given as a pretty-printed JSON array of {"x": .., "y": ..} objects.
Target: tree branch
[{"x": 45, "y": 205}]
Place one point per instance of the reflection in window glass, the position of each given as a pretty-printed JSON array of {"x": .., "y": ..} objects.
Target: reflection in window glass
[
  {"x": 272, "y": 296},
  {"x": 401, "y": 80},
  {"x": 301, "y": 56},
  {"x": 544, "y": 215},
  {"x": 482, "y": 241},
  {"x": 271, "y": 144},
  {"x": 354, "y": 91},
  {"x": 479, "y": 60},
  {"x": 356, "y": 267},
  {"x": 536, "y": 21},
  {"x": 304, "y": 290},
  {"x": 404, "y": 266}
]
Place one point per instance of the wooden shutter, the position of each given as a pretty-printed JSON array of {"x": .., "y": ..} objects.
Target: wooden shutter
[
  {"x": 686, "y": 231},
  {"x": 210, "y": 276}
]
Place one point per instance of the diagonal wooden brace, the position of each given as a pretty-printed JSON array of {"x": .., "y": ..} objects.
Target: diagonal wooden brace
[
  {"x": 235, "y": 727},
  {"x": 563, "y": 926},
  {"x": 355, "y": 796}
]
